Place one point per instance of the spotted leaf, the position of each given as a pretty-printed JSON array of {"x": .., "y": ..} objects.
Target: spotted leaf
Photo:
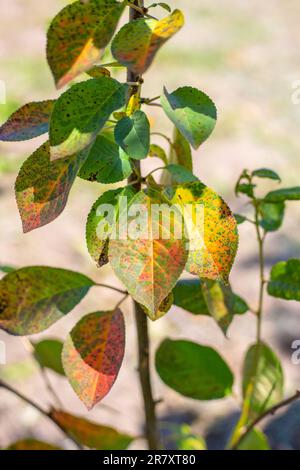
[
  {"x": 81, "y": 112},
  {"x": 33, "y": 298},
  {"x": 137, "y": 42},
  {"x": 29, "y": 121},
  {"x": 77, "y": 36},
  {"x": 93, "y": 354}
]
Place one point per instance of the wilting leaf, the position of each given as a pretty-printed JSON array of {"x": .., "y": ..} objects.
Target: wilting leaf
[
  {"x": 211, "y": 227},
  {"x": 132, "y": 133},
  {"x": 81, "y": 112},
  {"x": 48, "y": 353},
  {"x": 255, "y": 440},
  {"x": 193, "y": 370},
  {"x": 77, "y": 36},
  {"x": 150, "y": 256},
  {"x": 106, "y": 162},
  {"x": 285, "y": 280},
  {"x": 180, "y": 175},
  {"x": 32, "y": 444},
  {"x": 42, "y": 187},
  {"x": 192, "y": 112},
  {"x": 97, "y": 72},
  {"x": 158, "y": 152},
  {"x": 101, "y": 219},
  {"x": 137, "y": 42},
  {"x": 271, "y": 215},
  {"x": 266, "y": 173},
  {"x": 93, "y": 354},
  {"x": 90, "y": 434},
  {"x": 33, "y": 298},
  {"x": 262, "y": 379},
  {"x": 29, "y": 121},
  {"x": 219, "y": 300},
  {"x": 284, "y": 194}
]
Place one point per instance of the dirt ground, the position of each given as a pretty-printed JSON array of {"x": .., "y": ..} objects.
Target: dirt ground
[{"x": 245, "y": 55}]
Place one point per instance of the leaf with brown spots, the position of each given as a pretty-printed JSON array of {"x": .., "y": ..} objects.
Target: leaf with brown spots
[
  {"x": 77, "y": 36},
  {"x": 42, "y": 187},
  {"x": 90, "y": 434},
  {"x": 93, "y": 353},
  {"x": 33, "y": 298},
  {"x": 138, "y": 41},
  {"x": 211, "y": 227},
  {"x": 29, "y": 121},
  {"x": 150, "y": 256}
]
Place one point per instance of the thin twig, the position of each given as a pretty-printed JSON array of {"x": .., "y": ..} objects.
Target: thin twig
[
  {"x": 106, "y": 286},
  {"x": 141, "y": 10}
]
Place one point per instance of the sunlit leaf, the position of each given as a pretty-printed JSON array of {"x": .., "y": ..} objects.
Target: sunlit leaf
[
  {"x": 77, "y": 36},
  {"x": 33, "y": 298},
  {"x": 187, "y": 440},
  {"x": 193, "y": 370},
  {"x": 284, "y": 194},
  {"x": 29, "y": 121},
  {"x": 132, "y": 133},
  {"x": 137, "y": 42},
  {"x": 211, "y": 227},
  {"x": 164, "y": 307},
  {"x": 255, "y": 440},
  {"x": 266, "y": 173},
  {"x": 271, "y": 215},
  {"x": 32, "y": 444},
  {"x": 42, "y": 187},
  {"x": 192, "y": 112},
  {"x": 48, "y": 353},
  {"x": 90, "y": 434},
  {"x": 285, "y": 280},
  {"x": 150, "y": 256},
  {"x": 93, "y": 354},
  {"x": 81, "y": 112}
]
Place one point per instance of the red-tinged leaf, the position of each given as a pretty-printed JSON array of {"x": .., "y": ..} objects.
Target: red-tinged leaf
[
  {"x": 29, "y": 121},
  {"x": 90, "y": 434},
  {"x": 42, "y": 187},
  {"x": 93, "y": 354},
  {"x": 33, "y": 298},
  {"x": 32, "y": 444},
  {"x": 150, "y": 260},
  {"x": 77, "y": 36}
]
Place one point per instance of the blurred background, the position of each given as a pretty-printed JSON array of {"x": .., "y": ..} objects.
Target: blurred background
[{"x": 245, "y": 55}]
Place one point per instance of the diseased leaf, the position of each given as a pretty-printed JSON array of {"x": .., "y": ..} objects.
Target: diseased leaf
[
  {"x": 106, "y": 162},
  {"x": 32, "y": 444},
  {"x": 81, "y": 112},
  {"x": 271, "y": 215},
  {"x": 192, "y": 112},
  {"x": 284, "y": 194},
  {"x": 255, "y": 440},
  {"x": 33, "y": 298},
  {"x": 93, "y": 353},
  {"x": 262, "y": 379},
  {"x": 90, "y": 434},
  {"x": 138, "y": 41},
  {"x": 179, "y": 174},
  {"x": 150, "y": 256},
  {"x": 101, "y": 219},
  {"x": 158, "y": 152},
  {"x": 266, "y": 173},
  {"x": 162, "y": 309},
  {"x": 285, "y": 280},
  {"x": 193, "y": 370},
  {"x": 29, "y": 121},
  {"x": 42, "y": 187},
  {"x": 211, "y": 228},
  {"x": 219, "y": 300},
  {"x": 48, "y": 353},
  {"x": 132, "y": 133},
  {"x": 77, "y": 36}
]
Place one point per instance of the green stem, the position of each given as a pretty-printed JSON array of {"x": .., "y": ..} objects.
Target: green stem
[{"x": 260, "y": 240}]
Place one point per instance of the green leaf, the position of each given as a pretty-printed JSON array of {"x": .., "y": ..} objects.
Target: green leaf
[
  {"x": 185, "y": 439},
  {"x": 157, "y": 151},
  {"x": 98, "y": 71},
  {"x": 219, "y": 300},
  {"x": 33, "y": 298},
  {"x": 100, "y": 222},
  {"x": 7, "y": 269},
  {"x": 106, "y": 162},
  {"x": 48, "y": 353},
  {"x": 192, "y": 112},
  {"x": 32, "y": 444},
  {"x": 77, "y": 36},
  {"x": 163, "y": 5},
  {"x": 285, "y": 280},
  {"x": 193, "y": 370},
  {"x": 93, "y": 353},
  {"x": 138, "y": 41},
  {"x": 42, "y": 187},
  {"x": 245, "y": 188},
  {"x": 255, "y": 440},
  {"x": 262, "y": 379},
  {"x": 150, "y": 256},
  {"x": 90, "y": 434},
  {"x": 81, "y": 112},
  {"x": 271, "y": 215},
  {"x": 29, "y": 121},
  {"x": 266, "y": 173},
  {"x": 132, "y": 133},
  {"x": 180, "y": 154},
  {"x": 284, "y": 194},
  {"x": 240, "y": 219},
  {"x": 211, "y": 228},
  {"x": 180, "y": 174}
]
